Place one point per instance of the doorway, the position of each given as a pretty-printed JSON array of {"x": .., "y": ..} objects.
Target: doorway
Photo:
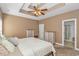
[
  {"x": 69, "y": 33},
  {"x": 41, "y": 31}
]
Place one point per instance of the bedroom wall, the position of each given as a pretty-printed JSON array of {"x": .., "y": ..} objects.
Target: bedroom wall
[
  {"x": 16, "y": 26},
  {"x": 55, "y": 24}
]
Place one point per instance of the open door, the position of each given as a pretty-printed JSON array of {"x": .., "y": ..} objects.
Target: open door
[{"x": 69, "y": 33}]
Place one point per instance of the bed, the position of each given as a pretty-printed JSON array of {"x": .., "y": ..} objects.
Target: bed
[
  {"x": 29, "y": 46},
  {"x": 35, "y": 47}
]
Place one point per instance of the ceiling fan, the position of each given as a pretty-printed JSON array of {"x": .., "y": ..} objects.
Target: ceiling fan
[{"x": 37, "y": 11}]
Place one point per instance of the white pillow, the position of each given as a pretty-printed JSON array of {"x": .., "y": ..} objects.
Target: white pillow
[
  {"x": 8, "y": 45},
  {"x": 14, "y": 40},
  {"x": 0, "y": 41}
]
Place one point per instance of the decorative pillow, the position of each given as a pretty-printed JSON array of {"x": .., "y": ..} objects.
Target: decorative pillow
[
  {"x": 0, "y": 38},
  {"x": 3, "y": 51},
  {"x": 8, "y": 45},
  {"x": 14, "y": 40}
]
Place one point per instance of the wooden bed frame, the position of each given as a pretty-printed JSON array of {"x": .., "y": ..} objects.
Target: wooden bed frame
[{"x": 50, "y": 54}]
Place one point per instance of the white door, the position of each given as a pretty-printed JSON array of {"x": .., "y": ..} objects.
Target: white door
[{"x": 41, "y": 31}]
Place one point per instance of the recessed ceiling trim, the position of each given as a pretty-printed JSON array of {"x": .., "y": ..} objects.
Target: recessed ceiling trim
[{"x": 13, "y": 8}]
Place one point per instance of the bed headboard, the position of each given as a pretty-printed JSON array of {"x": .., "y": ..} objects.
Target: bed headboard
[
  {"x": 50, "y": 36},
  {"x": 30, "y": 33}
]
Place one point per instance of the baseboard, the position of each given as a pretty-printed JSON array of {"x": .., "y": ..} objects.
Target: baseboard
[
  {"x": 77, "y": 49},
  {"x": 59, "y": 44}
]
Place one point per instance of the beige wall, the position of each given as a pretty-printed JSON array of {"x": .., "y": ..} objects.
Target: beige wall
[
  {"x": 55, "y": 24},
  {"x": 15, "y": 25}
]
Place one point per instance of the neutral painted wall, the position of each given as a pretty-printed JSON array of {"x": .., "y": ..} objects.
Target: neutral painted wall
[
  {"x": 16, "y": 26},
  {"x": 55, "y": 24}
]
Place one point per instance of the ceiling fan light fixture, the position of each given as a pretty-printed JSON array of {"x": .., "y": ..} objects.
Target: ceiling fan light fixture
[{"x": 37, "y": 13}]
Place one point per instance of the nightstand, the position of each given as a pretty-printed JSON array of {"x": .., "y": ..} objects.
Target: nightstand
[{"x": 36, "y": 36}]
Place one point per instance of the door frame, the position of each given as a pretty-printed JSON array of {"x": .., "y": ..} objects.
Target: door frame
[{"x": 63, "y": 21}]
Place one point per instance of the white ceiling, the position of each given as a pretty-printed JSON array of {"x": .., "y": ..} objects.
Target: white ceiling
[{"x": 13, "y": 8}]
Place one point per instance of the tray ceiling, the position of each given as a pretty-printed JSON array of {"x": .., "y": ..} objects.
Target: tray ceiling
[{"x": 14, "y": 9}]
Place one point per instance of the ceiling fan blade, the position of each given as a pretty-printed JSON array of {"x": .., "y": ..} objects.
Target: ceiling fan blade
[
  {"x": 26, "y": 12},
  {"x": 42, "y": 13},
  {"x": 35, "y": 7},
  {"x": 44, "y": 9},
  {"x": 30, "y": 11},
  {"x": 60, "y": 5}
]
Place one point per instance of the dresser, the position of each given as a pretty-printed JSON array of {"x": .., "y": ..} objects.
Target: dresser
[{"x": 50, "y": 36}]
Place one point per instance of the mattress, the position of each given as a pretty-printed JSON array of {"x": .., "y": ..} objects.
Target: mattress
[{"x": 34, "y": 47}]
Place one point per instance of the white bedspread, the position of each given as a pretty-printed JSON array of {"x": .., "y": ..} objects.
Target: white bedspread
[{"x": 35, "y": 47}]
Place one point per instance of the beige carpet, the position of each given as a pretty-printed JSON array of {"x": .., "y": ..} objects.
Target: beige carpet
[{"x": 64, "y": 51}]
